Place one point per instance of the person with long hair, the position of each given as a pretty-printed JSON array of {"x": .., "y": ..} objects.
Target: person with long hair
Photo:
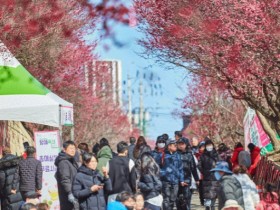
[
  {"x": 249, "y": 189},
  {"x": 88, "y": 186},
  {"x": 140, "y": 147},
  {"x": 149, "y": 183},
  {"x": 269, "y": 198}
]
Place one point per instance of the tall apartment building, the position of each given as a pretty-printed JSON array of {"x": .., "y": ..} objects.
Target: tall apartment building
[{"x": 104, "y": 78}]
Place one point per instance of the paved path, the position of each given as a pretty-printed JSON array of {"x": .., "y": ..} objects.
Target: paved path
[{"x": 196, "y": 203}]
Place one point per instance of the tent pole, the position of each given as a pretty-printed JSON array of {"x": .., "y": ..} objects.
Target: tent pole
[
  {"x": 60, "y": 134},
  {"x": 72, "y": 133}
]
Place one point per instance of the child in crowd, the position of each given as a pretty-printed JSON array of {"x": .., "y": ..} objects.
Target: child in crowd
[
  {"x": 269, "y": 199},
  {"x": 43, "y": 206}
]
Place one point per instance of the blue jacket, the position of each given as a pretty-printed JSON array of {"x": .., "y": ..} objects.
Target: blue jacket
[
  {"x": 116, "y": 205},
  {"x": 83, "y": 181},
  {"x": 171, "y": 170},
  {"x": 157, "y": 155}
]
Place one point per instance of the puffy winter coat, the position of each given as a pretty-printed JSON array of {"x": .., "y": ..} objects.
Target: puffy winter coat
[
  {"x": 189, "y": 166},
  {"x": 158, "y": 155},
  {"x": 230, "y": 189},
  {"x": 66, "y": 171},
  {"x": 171, "y": 170},
  {"x": 250, "y": 192},
  {"x": 103, "y": 156},
  {"x": 150, "y": 186},
  {"x": 207, "y": 162},
  {"x": 83, "y": 181},
  {"x": 235, "y": 154},
  {"x": 255, "y": 158},
  {"x": 9, "y": 180},
  {"x": 30, "y": 172}
]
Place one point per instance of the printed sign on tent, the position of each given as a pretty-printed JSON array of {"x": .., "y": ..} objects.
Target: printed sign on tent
[
  {"x": 48, "y": 147},
  {"x": 67, "y": 116}
]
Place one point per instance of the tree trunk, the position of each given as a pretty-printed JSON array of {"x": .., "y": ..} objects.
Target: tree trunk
[{"x": 270, "y": 132}]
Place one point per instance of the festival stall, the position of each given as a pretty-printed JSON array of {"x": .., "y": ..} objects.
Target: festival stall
[{"x": 23, "y": 98}]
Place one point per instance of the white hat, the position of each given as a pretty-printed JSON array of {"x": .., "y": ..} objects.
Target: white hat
[{"x": 232, "y": 203}]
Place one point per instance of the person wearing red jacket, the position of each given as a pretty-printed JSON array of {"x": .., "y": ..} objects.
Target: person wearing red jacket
[
  {"x": 237, "y": 149},
  {"x": 255, "y": 158}
]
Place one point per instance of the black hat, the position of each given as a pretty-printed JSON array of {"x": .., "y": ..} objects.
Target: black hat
[
  {"x": 202, "y": 143},
  {"x": 32, "y": 194},
  {"x": 160, "y": 139},
  {"x": 207, "y": 142},
  {"x": 170, "y": 141},
  {"x": 184, "y": 140}
]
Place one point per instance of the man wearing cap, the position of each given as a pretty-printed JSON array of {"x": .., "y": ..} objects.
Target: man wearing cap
[
  {"x": 189, "y": 168},
  {"x": 230, "y": 189},
  {"x": 171, "y": 175}
]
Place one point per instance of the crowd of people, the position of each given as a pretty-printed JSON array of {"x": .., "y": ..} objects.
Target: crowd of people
[{"x": 140, "y": 178}]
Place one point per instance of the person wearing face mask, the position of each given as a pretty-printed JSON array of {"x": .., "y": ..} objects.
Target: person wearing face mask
[
  {"x": 229, "y": 187},
  {"x": 208, "y": 161},
  {"x": 158, "y": 152},
  {"x": 189, "y": 168},
  {"x": 122, "y": 172},
  {"x": 172, "y": 175}
]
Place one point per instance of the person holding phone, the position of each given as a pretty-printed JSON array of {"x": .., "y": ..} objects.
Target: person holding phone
[{"x": 88, "y": 186}]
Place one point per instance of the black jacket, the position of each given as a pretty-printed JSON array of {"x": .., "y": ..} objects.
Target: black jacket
[
  {"x": 65, "y": 174},
  {"x": 30, "y": 172},
  {"x": 189, "y": 166},
  {"x": 9, "y": 180},
  {"x": 207, "y": 162},
  {"x": 150, "y": 186},
  {"x": 130, "y": 151},
  {"x": 122, "y": 177},
  {"x": 230, "y": 189},
  {"x": 83, "y": 181}
]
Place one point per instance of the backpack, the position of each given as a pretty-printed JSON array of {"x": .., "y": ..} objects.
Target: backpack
[{"x": 244, "y": 159}]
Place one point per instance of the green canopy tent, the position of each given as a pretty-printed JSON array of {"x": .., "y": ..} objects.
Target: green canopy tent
[{"x": 23, "y": 98}]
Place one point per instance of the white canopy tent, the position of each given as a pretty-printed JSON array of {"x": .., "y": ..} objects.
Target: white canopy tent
[{"x": 23, "y": 98}]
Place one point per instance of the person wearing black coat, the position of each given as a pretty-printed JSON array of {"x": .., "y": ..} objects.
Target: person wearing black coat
[
  {"x": 30, "y": 172},
  {"x": 9, "y": 181},
  {"x": 210, "y": 185},
  {"x": 150, "y": 184},
  {"x": 189, "y": 168},
  {"x": 88, "y": 186},
  {"x": 65, "y": 174},
  {"x": 121, "y": 172}
]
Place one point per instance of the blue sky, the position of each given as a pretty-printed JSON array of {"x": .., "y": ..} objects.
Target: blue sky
[{"x": 171, "y": 82}]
